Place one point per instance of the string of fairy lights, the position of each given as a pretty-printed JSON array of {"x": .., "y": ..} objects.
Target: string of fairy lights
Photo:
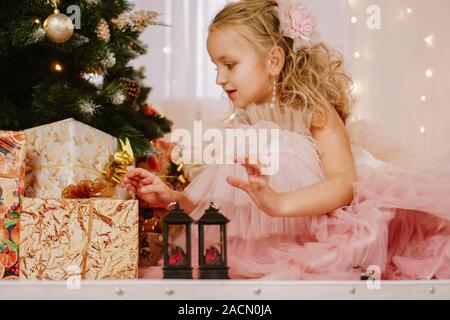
[{"x": 427, "y": 41}]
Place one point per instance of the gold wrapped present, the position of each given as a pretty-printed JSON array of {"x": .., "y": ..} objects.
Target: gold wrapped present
[
  {"x": 150, "y": 248},
  {"x": 150, "y": 239},
  {"x": 67, "y": 152},
  {"x": 12, "y": 173},
  {"x": 96, "y": 238}
]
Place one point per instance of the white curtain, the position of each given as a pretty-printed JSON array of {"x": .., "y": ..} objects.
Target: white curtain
[{"x": 177, "y": 64}]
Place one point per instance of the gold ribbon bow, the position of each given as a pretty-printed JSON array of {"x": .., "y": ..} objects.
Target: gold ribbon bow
[
  {"x": 115, "y": 171},
  {"x": 86, "y": 189},
  {"x": 182, "y": 177}
]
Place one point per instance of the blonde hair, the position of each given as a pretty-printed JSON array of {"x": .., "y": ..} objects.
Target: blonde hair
[{"x": 312, "y": 79}]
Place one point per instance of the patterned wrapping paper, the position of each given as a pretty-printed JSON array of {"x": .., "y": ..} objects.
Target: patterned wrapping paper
[
  {"x": 12, "y": 154},
  {"x": 9, "y": 228},
  {"x": 97, "y": 238},
  {"x": 12, "y": 174},
  {"x": 64, "y": 153}
]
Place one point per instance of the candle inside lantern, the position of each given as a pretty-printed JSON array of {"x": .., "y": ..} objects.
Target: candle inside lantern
[
  {"x": 177, "y": 257},
  {"x": 213, "y": 257}
]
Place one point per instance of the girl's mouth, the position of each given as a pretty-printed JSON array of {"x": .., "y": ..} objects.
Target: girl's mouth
[{"x": 231, "y": 93}]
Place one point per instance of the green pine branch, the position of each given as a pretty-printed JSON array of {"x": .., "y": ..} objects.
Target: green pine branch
[{"x": 33, "y": 91}]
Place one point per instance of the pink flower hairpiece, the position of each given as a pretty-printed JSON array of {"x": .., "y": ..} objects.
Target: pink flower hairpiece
[{"x": 297, "y": 23}]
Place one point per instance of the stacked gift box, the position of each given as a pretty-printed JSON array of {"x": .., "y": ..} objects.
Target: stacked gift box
[
  {"x": 12, "y": 175},
  {"x": 74, "y": 220}
]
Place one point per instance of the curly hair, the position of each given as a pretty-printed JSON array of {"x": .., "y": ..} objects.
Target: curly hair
[{"x": 313, "y": 79}]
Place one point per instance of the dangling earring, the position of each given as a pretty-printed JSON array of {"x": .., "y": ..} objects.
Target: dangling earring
[{"x": 274, "y": 94}]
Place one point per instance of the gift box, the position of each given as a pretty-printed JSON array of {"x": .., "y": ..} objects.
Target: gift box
[
  {"x": 150, "y": 248},
  {"x": 90, "y": 238},
  {"x": 150, "y": 238},
  {"x": 9, "y": 228},
  {"x": 12, "y": 154},
  {"x": 64, "y": 153},
  {"x": 12, "y": 172}
]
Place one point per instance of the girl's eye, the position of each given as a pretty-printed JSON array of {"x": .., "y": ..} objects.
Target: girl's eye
[{"x": 227, "y": 65}]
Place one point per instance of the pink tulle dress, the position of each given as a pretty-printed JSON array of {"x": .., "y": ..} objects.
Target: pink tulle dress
[{"x": 398, "y": 223}]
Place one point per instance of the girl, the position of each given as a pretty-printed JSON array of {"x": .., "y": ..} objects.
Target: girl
[{"x": 332, "y": 210}]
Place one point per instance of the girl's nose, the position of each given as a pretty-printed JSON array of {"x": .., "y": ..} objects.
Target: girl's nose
[{"x": 220, "y": 79}]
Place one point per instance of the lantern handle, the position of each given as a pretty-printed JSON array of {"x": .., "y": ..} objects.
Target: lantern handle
[
  {"x": 171, "y": 205},
  {"x": 214, "y": 205}
]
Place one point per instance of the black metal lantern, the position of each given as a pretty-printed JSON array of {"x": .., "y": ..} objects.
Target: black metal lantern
[
  {"x": 213, "y": 257},
  {"x": 177, "y": 259}
]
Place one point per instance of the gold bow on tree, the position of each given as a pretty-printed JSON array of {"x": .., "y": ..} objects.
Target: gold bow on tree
[
  {"x": 178, "y": 174},
  {"x": 116, "y": 170},
  {"x": 182, "y": 177}
]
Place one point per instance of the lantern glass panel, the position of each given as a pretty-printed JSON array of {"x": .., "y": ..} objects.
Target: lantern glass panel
[
  {"x": 212, "y": 251},
  {"x": 177, "y": 245}
]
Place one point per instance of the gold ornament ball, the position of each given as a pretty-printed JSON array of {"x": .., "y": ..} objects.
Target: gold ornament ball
[{"x": 58, "y": 27}]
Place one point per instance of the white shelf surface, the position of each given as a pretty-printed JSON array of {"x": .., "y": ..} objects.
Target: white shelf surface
[{"x": 224, "y": 290}]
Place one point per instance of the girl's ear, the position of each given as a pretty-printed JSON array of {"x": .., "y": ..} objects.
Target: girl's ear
[{"x": 276, "y": 60}]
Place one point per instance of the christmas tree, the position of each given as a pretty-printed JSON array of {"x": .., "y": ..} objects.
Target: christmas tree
[{"x": 75, "y": 63}]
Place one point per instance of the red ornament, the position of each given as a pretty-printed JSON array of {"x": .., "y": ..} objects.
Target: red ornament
[
  {"x": 212, "y": 256},
  {"x": 155, "y": 163},
  {"x": 149, "y": 111},
  {"x": 177, "y": 257},
  {"x": 172, "y": 261}
]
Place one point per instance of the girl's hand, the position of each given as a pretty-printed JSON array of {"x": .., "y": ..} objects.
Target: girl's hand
[
  {"x": 258, "y": 188},
  {"x": 149, "y": 188}
]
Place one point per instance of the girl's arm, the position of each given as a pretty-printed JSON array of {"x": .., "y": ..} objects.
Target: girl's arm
[
  {"x": 336, "y": 190},
  {"x": 153, "y": 191},
  {"x": 183, "y": 201}
]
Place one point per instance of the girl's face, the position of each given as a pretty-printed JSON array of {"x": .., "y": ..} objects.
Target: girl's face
[{"x": 241, "y": 72}]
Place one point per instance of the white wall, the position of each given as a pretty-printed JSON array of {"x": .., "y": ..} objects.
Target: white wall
[
  {"x": 391, "y": 71},
  {"x": 390, "y": 74}
]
